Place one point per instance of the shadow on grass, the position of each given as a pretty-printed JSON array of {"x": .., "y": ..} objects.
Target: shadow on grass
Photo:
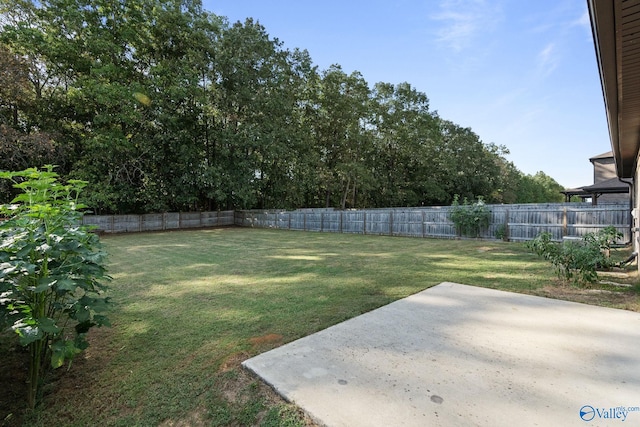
[{"x": 188, "y": 302}]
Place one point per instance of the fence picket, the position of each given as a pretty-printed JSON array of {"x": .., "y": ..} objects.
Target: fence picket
[
  {"x": 514, "y": 222},
  {"x": 159, "y": 222}
]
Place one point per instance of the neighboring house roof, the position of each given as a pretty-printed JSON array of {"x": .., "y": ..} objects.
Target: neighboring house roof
[
  {"x": 613, "y": 185},
  {"x": 607, "y": 155},
  {"x": 575, "y": 192},
  {"x": 609, "y": 186},
  {"x": 614, "y": 24}
]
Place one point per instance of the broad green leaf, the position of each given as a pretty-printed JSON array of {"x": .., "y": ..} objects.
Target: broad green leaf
[
  {"x": 24, "y": 251},
  {"x": 48, "y": 325},
  {"x": 28, "y": 334},
  {"x": 44, "y": 284},
  {"x": 80, "y": 341},
  {"x": 57, "y": 358},
  {"x": 82, "y": 314},
  {"x": 101, "y": 320},
  {"x": 62, "y": 350},
  {"x": 66, "y": 285}
]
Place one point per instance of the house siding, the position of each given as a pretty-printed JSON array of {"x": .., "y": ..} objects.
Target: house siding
[{"x": 603, "y": 170}]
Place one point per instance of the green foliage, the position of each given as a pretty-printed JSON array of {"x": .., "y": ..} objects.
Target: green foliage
[
  {"x": 50, "y": 272},
  {"x": 164, "y": 106},
  {"x": 577, "y": 261},
  {"x": 538, "y": 188},
  {"x": 470, "y": 219},
  {"x": 501, "y": 232}
]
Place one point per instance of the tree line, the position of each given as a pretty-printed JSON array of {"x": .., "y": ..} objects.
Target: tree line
[{"x": 163, "y": 106}]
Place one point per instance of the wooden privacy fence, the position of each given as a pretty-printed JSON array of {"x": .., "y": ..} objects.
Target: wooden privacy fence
[
  {"x": 510, "y": 222},
  {"x": 158, "y": 222}
]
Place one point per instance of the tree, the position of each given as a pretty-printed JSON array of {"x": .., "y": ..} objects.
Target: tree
[
  {"x": 257, "y": 100},
  {"x": 509, "y": 177},
  {"x": 538, "y": 188},
  {"x": 163, "y": 106},
  {"x": 178, "y": 55},
  {"x": 20, "y": 145},
  {"x": 14, "y": 86},
  {"x": 127, "y": 81},
  {"x": 405, "y": 135},
  {"x": 338, "y": 113},
  {"x": 467, "y": 166},
  {"x": 141, "y": 77}
]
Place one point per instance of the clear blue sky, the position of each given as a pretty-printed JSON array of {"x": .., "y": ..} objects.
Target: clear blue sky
[{"x": 520, "y": 73}]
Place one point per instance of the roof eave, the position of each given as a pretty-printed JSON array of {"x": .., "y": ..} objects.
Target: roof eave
[{"x": 610, "y": 30}]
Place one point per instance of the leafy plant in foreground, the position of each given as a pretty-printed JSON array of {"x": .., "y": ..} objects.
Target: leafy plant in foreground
[
  {"x": 470, "y": 219},
  {"x": 577, "y": 261},
  {"x": 51, "y": 270}
]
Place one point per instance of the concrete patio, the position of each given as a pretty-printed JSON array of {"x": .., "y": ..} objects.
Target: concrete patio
[{"x": 457, "y": 355}]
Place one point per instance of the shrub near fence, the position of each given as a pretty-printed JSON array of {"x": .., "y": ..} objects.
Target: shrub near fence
[
  {"x": 511, "y": 222},
  {"x": 158, "y": 222}
]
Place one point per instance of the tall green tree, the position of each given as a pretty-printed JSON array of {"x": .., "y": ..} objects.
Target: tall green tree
[
  {"x": 538, "y": 188},
  {"x": 164, "y": 106},
  {"x": 21, "y": 145},
  {"x": 258, "y": 97},
  {"x": 121, "y": 74},
  {"x": 466, "y": 163},
  {"x": 340, "y": 108},
  {"x": 179, "y": 58},
  {"x": 15, "y": 87},
  {"x": 405, "y": 136}
]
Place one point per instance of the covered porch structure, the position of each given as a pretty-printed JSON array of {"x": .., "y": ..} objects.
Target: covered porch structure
[{"x": 610, "y": 186}]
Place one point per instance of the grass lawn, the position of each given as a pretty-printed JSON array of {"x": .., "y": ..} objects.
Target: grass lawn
[{"x": 192, "y": 305}]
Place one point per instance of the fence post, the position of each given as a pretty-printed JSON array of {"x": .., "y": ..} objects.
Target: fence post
[
  {"x": 564, "y": 222},
  {"x": 424, "y": 227},
  {"x": 390, "y": 223},
  {"x": 321, "y": 222},
  {"x": 364, "y": 222},
  {"x": 304, "y": 221},
  {"x": 506, "y": 225}
]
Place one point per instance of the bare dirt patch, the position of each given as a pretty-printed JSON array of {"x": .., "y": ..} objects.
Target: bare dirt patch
[
  {"x": 13, "y": 376},
  {"x": 269, "y": 340},
  {"x": 606, "y": 295}
]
